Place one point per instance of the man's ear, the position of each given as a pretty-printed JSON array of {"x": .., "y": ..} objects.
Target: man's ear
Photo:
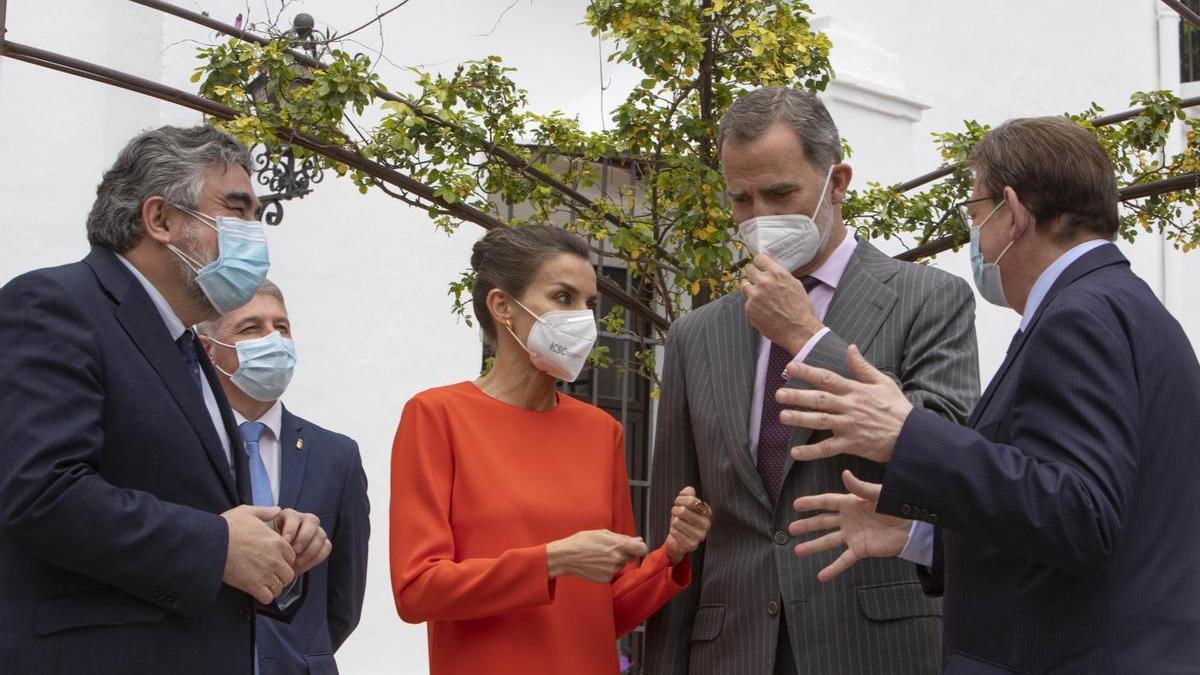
[
  {"x": 839, "y": 182},
  {"x": 209, "y": 345},
  {"x": 154, "y": 219},
  {"x": 1022, "y": 218}
]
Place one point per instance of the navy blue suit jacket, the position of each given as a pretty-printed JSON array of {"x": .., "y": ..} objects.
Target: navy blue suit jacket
[
  {"x": 111, "y": 481},
  {"x": 1069, "y": 512},
  {"x": 321, "y": 473}
]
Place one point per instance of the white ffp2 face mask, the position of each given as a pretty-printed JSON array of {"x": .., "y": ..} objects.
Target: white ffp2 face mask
[
  {"x": 792, "y": 240},
  {"x": 560, "y": 341}
]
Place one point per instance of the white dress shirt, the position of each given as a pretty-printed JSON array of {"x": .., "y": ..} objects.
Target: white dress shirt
[
  {"x": 176, "y": 328},
  {"x": 268, "y": 443}
]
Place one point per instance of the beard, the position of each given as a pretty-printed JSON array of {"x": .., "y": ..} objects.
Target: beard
[{"x": 190, "y": 244}]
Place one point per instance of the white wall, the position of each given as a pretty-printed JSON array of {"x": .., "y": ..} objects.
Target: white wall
[{"x": 366, "y": 276}]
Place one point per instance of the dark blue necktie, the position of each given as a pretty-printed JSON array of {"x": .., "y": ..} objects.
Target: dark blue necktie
[
  {"x": 187, "y": 347},
  {"x": 774, "y": 437}
]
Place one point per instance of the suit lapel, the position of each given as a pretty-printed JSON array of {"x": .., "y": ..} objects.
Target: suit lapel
[
  {"x": 293, "y": 456},
  {"x": 140, "y": 318},
  {"x": 732, "y": 346},
  {"x": 860, "y": 305},
  {"x": 1091, "y": 261}
]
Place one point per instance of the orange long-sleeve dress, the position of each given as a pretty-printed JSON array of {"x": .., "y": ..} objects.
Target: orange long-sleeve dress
[{"x": 479, "y": 487}]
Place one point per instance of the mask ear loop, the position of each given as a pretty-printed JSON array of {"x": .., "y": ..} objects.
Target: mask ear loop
[
  {"x": 214, "y": 363},
  {"x": 509, "y": 324}
]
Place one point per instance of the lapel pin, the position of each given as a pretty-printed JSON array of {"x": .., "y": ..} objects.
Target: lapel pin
[{"x": 299, "y": 443}]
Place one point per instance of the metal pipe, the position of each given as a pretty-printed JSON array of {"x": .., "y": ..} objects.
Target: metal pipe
[
  {"x": 1128, "y": 193},
  {"x": 160, "y": 91}
]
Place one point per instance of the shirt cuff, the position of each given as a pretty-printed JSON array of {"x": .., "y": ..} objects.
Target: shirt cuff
[
  {"x": 808, "y": 346},
  {"x": 919, "y": 547}
]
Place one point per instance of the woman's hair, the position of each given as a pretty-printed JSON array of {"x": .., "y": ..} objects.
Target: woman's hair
[{"x": 509, "y": 257}]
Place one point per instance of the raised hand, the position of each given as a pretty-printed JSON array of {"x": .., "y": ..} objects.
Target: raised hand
[
  {"x": 258, "y": 560},
  {"x": 690, "y": 520},
  {"x": 865, "y": 415},
  {"x": 777, "y": 304},
  {"x": 853, "y": 523},
  {"x": 592, "y": 555}
]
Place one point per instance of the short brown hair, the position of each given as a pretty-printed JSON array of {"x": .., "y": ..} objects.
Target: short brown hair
[
  {"x": 1057, "y": 168},
  {"x": 508, "y": 258}
]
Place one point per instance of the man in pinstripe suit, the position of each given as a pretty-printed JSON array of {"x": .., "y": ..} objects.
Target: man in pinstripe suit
[{"x": 753, "y": 608}]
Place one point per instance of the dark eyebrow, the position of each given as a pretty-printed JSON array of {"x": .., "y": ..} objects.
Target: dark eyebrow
[
  {"x": 568, "y": 287},
  {"x": 783, "y": 187},
  {"x": 242, "y": 200}
]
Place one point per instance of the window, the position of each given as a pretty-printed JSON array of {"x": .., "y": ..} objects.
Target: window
[{"x": 1189, "y": 46}]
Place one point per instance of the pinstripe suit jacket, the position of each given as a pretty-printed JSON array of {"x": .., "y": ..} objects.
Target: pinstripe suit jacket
[{"x": 913, "y": 322}]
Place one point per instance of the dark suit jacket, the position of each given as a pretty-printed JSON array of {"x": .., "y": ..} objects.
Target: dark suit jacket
[
  {"x": 912, "y": 321},
  {"x": 111, "y": 481},
  {"x": 321, "y": 472},
  {"x": 1070, "y": 511}
]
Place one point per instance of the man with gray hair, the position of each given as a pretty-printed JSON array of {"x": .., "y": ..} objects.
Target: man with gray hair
[
  {"x": 128, "y": 542},
  {"x": 812, "y": 289}
]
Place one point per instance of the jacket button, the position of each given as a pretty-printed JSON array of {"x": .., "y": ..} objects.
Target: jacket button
[
  {"x": 781, "y": 537},
  {"x": 244, "y": 615},
  {"x": 772, "y": 608},
  {"x": 906, "y": 510}
]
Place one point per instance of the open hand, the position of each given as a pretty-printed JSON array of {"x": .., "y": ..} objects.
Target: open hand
[{"x": 853, "y": 522}]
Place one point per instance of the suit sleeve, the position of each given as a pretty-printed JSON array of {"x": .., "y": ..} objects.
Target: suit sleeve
[
  {"x": 1058, "y": 487},
  {"x": 939, "y": 370},
  {"x": 429, "y": 582},
  {"x": 674, "y": 466},
  {"x": 348, "y": 560},
  {"x": 54, "y": 503},
  {"x": 639, "y": 589}
]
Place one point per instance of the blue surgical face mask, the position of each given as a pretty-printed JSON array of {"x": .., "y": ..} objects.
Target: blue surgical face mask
[
  {"x": 242, "y": 262},
  {"x": 265, "y": 365},
  {"x": 987, "y": 274}
]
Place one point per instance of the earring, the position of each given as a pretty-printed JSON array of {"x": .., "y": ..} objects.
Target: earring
[{"x": 509, "y": 322}]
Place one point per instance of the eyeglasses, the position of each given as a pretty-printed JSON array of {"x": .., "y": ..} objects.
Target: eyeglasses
[{"x": 965, "y": 214}]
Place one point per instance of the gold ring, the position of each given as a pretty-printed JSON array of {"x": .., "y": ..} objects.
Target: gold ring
[{"x": 703, "y": 508}]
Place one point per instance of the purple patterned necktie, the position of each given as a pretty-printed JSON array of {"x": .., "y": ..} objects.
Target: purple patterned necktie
[{"x": 774, "y": 436}]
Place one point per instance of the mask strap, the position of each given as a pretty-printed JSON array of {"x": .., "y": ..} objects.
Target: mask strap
[
  {"x": 510, "y": 332},
  {"x": 193, "y": 264},
  {"x": 522, "y": 306},
  {"x": 824, "y": 187},
  {"x": 202, "y": 217}
]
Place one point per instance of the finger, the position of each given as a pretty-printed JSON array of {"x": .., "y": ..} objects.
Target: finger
[
  {"x": 688, "y": 491},
  {"x": 286, "y": 552},
  {"x": 746, "y": 286},
  {"x": 827, "y": 521},
  {"x": 827, "y": 448},
  {"x": 862, "y": 369},
  {"x": 812, "y": 420},
  {"x": 263, "y": 513},
  {"x": 634, "y": 547},
  {"x": 263, "y": 595},
  {"x": 306, "y": 556},
  {"x": 819, "y": 378},
  {"x": 691, "y": 518},
  {"x": 820, "y": 544},
  {"x": 813, "y": 399},
  {"x": 288, "y": 522},
  {"x": 687, "y": 530},
  {"x": 756, "y": 271},
  {"x": 830, "y": 501},
  {"x": 309, "y": 528},
  {"x": 844, "y": 562},
  {"x": 861, "y": 488}
]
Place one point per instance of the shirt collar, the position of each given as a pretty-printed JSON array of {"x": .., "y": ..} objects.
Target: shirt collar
[
  {"x": 174, "y": 325},
  {"x": 1051, "y": 274},
  {"x": 273, "y": 418},
  {"x": 830, "y": 272}
]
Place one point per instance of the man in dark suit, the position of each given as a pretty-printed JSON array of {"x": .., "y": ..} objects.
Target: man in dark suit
[
  {"x": 298, "y": 465},
  {"x": 752, "y": 607},
  {"x": 1065, "y": 515},
  {"x": 127, "y": 542}
]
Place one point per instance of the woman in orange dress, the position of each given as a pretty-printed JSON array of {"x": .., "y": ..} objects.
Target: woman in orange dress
[{"x": 512, "y": 530}]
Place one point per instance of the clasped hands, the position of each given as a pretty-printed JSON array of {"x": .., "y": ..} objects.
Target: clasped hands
[
  {"x": 597, "y": 555},
  {"x": 270, "y": 547},
  {"x": 864, "y": 416}
]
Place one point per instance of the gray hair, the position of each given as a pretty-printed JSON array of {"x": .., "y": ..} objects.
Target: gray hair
[
  {"x": 754, "y": 112},
  {"x": 267, "y": 287},
  {"x": 170, "y": 162}
]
